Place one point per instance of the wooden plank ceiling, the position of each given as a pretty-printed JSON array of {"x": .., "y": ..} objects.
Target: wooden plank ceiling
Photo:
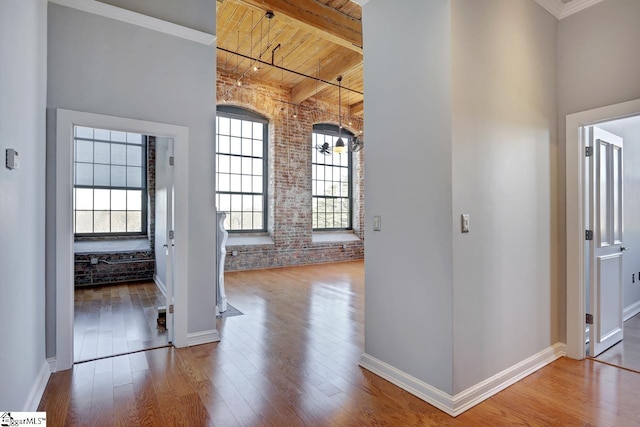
[{"x": 318, "y": 38}]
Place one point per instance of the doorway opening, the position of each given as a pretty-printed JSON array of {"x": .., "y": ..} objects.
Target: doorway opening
[
  {"x": 175, "y": 225},
  {"x": 120, "y": 185},
  {"x": 600, "y": 179}
]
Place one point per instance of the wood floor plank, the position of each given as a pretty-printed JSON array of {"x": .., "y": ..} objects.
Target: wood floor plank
[
  {"x": 292, "y": 360},
  {"x": 116, "y": 319}
]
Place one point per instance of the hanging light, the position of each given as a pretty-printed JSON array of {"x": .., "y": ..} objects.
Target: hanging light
[{"x": 339, "y": 147}]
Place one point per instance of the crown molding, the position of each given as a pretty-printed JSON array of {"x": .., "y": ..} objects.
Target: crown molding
[
  {"x": 576, "y": 6},
  {"x": 561, "y": 10},
  {"x": 138, "y": 19}
]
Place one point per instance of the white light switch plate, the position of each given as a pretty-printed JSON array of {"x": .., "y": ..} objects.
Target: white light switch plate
[
  {"x": 464, "y": 223},
  {"x": 12, "y": 159},
  {"x": 377, "y": 223}
]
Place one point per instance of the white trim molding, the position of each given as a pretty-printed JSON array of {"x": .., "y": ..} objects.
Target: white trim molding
[
  {"x": 631, "y": 311},
  {"x": 37, "y": 390},
  {"x": 204, "y": 337},
  {"x": 561, "y": 10},
  {"x": 53, "y": 366},
  {"x": 575, "y": 216},
  {"x": 459, "y": 403},
  {"x": 138, "y": 19},
  {"x": 65, "y": 120},
  {"x": 160, "y": 285}
]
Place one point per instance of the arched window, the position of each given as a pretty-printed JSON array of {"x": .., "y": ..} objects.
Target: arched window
[
  {"x": 332, "y": 202},
  {"x": 241, "y": 168}
]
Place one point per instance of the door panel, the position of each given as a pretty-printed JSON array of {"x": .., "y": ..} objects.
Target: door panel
[{"x": 606, "y": 249}]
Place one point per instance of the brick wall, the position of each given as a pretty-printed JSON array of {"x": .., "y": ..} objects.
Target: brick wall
[
  {"x": 123, "y": 266},
  {"x": 289, "y": 205}
]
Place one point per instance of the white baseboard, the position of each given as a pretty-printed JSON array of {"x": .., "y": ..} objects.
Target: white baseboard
[
  {"x": 459, "y": 403},
  {"x": 419, "y": 388},
  {"x": 53, "y": 365},
  {"x": 487, "y": 388},
  {"x": 204, "y": 337},
  {"x": 631, "y": 311},
  {"x": 160, "y": 284},
  {"x": 37, "y": 390}
]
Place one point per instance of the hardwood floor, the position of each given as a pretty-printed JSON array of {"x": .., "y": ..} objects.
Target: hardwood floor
[
  {"x": 116, "y": 319},
  {"x": 626, "y": 353},
  {"x": 292, "y": 360}
]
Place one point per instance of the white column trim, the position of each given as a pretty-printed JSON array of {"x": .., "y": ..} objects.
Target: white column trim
[{"x": 138, "y": 19}]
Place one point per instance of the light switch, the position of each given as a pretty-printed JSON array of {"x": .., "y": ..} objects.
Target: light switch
[
  {"x": 12, "y": 159},
  {"x": 464, "y": 223},
  {"x": 377, "y": 223}
]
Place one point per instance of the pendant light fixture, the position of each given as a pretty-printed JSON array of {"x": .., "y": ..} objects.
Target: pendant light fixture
[{"x": 340, "y": 147}]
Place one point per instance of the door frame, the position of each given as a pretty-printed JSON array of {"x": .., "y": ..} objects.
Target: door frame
[
  {"x": 64, "y": 256},
  {"x": 575, "y": 217}
]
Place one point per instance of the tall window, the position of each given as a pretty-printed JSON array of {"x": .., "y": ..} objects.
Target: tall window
[
  {"x": 241, "y": 168},
  {"x": 110, "y": 185},
  {"x": 331, "y": 181}
]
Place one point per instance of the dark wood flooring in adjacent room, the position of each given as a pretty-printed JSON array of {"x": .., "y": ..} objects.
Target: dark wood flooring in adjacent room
[
  {"x": 116, "y": 319},
  {"x": 292, "y": 360}
]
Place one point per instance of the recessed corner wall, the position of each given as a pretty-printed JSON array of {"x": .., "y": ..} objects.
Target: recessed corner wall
[{"x": 104, "y": 66}]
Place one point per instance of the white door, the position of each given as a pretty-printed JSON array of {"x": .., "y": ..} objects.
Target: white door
[
  {"x": 606, "y": 247},
  {"x": 170, "y": 246}
]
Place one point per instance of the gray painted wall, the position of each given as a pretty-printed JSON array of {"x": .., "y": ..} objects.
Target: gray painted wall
[
  {"x": 104, "y": 66},
  {"x": 23, "y": 55},
  {"x": 598, "y": 65},
  {"x": 629, "y": 130},
  {"x": 505, "y": 280},
  {"x": 476, "y": 133},
  {"x": 408, "y": 265}
]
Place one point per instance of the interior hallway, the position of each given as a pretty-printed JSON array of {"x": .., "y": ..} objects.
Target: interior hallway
[{"x": 292, "y": 359}]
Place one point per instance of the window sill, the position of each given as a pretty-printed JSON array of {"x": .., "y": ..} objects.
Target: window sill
[
  {"x": 249, "y": 240},
  {"x": 334, "y": 237},
  {"x": 111, "y": 246}
]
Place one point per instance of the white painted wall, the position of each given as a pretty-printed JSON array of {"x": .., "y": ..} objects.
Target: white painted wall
[
  {"x": 505, "y": 280},
  {"x": 629, "y": 130},
  {"x": 108, "y": 67},
  {"x": 23, "y": 57},
  {"x": 408, "y": 265},
  {"x": 598, "y": 65},
  {"x": 162, "y": 149}
]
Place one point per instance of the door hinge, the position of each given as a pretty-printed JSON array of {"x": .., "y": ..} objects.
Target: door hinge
[
  {"x": 171, "y": 308},
  {"x": 171, "y": 161},
  {"x": 588, "y": 235},
  {"x": 589, "y": 317},
  {"x": 588, "y": 151},
  {"x": 171, "y": 234}
]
